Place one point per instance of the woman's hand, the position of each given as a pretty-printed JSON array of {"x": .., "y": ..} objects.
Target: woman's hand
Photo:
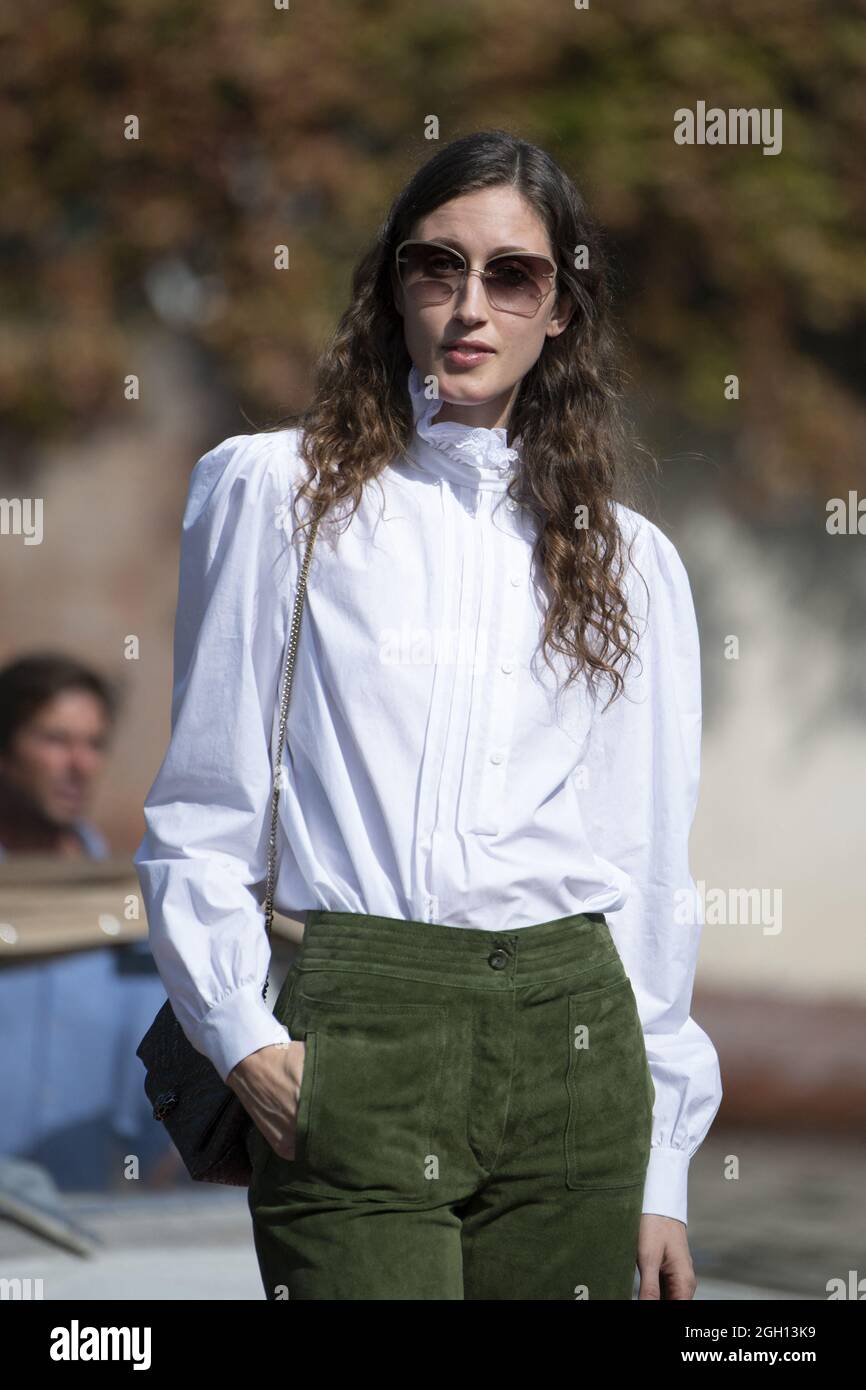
[
  {"x": 663, "y": 1259},
  {"x": 268, "y": 1083}
]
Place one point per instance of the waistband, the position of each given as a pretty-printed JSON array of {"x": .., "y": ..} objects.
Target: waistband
[{"x": 437, "y": 951}]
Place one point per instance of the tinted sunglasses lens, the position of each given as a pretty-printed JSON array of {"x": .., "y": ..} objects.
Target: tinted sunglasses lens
[
  {"x": 430, "y": 273},
  {"x": 517, "y": 284}
]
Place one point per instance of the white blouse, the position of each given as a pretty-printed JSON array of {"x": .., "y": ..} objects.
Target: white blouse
[{"x": 429, "y": 772}]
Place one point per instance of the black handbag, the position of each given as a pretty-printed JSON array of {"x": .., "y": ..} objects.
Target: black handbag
[{"x": 206, "y": 1121}]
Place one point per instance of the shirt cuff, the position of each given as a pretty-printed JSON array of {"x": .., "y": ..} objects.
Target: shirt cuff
[
  {"x": 666, "y": 1188},
  {"x": 236, "y": 1026}
]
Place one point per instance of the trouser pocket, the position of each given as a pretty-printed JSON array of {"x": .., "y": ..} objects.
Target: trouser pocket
[
  {"x": 371, "y": 1096},
  {"x": 610, "y": 1090}
]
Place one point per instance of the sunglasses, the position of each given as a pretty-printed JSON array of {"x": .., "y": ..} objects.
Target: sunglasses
[{"x": 516, "y": 282}]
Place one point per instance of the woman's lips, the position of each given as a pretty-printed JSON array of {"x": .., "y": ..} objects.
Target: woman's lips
[{"x": 468, "y": 357}]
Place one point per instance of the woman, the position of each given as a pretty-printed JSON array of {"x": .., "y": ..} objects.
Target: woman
[{"x": 480, "y": 1079}]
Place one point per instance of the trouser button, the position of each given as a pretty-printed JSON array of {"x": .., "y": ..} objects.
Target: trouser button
[{"x": 498, "y": 959}]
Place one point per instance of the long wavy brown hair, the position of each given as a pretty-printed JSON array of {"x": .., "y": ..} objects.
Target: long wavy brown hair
[{"x": 575, "y": 449}]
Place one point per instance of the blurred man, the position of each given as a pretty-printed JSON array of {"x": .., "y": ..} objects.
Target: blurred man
[
  {"x": 55, "y": 720},
  {"x": 71, "y": 1088}
]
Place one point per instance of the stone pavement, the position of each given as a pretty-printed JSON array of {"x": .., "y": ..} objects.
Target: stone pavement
[{"x": 793, "y": 1219}]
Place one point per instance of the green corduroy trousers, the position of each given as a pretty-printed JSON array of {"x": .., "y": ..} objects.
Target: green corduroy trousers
[{"x": 474, "y": 1117}]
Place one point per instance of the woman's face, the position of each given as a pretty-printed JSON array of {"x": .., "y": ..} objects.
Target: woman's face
[{"x": 479, "y": 225}]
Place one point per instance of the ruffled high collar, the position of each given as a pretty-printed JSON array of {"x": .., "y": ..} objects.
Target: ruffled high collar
[{"x": 472, "y": 456}]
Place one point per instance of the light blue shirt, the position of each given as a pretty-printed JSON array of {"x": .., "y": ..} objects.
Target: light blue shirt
[{"x": 71, "y": 1087}]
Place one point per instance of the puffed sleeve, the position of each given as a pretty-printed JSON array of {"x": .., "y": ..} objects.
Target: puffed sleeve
[
  {"x": 208, "y": 811},
  {"x": 642, "y": 800}
]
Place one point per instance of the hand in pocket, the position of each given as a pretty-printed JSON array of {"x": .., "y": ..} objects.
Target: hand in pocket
[{"x": 268, "y": 1084}]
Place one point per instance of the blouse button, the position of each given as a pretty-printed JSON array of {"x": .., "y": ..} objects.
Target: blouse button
[
  {"x": 496, "y": 758},
  {"x": 511, "y": 504},
  {"x": 515, "y": 579},
  {"x": 508, "y": 667}
]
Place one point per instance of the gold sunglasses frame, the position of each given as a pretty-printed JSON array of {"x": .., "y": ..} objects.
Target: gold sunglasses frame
[{"x": 472, "y": 270}]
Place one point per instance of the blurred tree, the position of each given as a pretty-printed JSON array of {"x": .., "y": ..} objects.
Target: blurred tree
[{"x": 261, "y": 126}]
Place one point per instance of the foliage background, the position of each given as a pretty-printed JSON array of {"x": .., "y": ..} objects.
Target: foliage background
[{"x": 260, "y": 126}]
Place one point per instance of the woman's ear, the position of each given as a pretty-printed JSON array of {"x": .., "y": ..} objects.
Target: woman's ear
[{"x": 565, "y": 308}]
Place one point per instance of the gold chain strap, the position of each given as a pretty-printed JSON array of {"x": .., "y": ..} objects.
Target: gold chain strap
[{"x": 294, "y": 634}]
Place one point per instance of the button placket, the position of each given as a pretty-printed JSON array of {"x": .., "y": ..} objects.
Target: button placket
[
  {"x": 444, "y": 608},
  {"x": 506, "y": 611}
]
